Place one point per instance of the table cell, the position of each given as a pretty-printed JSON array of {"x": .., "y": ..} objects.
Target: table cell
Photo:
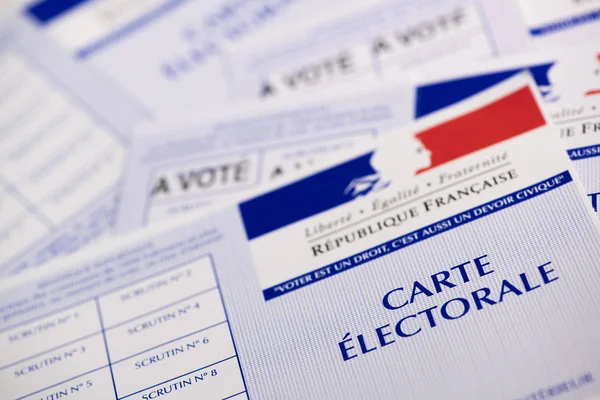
[
  {"x": 58, "y": 365},
  {"x": 217, "y": 382},
  {"x": 96, "y": 385},
  {"x": 158, "y": 291},
  {"x": 45, "y": 334},
  {"x": 164, "y": 325},
  {"x": 174, "y": 359}
]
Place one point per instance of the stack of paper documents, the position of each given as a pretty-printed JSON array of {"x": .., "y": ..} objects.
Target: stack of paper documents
[{"x": 295, "y": 200}]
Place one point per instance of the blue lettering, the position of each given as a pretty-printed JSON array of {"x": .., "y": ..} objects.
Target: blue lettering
[
  {"x": 386, "y": 300},
  {"x": 478, "y": 299},
  {"x": 544, "y": 272},
  {"x": 480, "y": 264},
  {"x": 399, "y": 330},
  {"x": 418, "y": 288},
  {"x": 508, "y": 287},
  {"x": 444, "y": 281},
  {"x": 465, "y": 304},
  {"x": 381, "y": 335}
]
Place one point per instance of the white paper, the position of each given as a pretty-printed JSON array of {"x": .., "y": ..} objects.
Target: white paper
[
  {"x": 399, "y": 38},
  {"x": 468, "y": 298},
  {"x": 569, "y": 83},
  {"x": 166, "y": 54},
  {"x": 569, "y": 102},
  {"x": 64, "y": 133},
  {"x": 173, "y": 171}
]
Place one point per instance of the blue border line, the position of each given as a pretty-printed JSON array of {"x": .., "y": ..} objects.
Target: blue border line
[
  {"x": 233, "y": 395},
  {"x": 565, "y": 23},
  {"x": 237, "y": 355},
  {"x": 112, "y": 376}
]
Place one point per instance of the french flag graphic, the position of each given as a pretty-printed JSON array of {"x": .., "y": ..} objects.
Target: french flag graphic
[{"x": 503, "y": 119}]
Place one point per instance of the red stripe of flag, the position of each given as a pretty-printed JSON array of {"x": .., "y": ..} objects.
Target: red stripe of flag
[{"x": 503, "y": 119}]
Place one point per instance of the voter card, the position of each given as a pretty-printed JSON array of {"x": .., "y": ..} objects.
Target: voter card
[
  {"x": 400, "y": 37},
  {"x": 368, "y": 279},
  {"x": 569, "y": 84},
  {"x": 165, "y": 54},
  {"x": 63, "y": 135},
  {"x": 176, "y": 169}
]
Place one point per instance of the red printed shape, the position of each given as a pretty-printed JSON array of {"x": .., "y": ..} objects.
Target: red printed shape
[
  {"x": 503, "y": 119},
  {"x": 593, "y": 92}
]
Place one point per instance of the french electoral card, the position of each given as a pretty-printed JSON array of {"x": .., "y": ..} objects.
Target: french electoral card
[{"x": 459, "y": 269}]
